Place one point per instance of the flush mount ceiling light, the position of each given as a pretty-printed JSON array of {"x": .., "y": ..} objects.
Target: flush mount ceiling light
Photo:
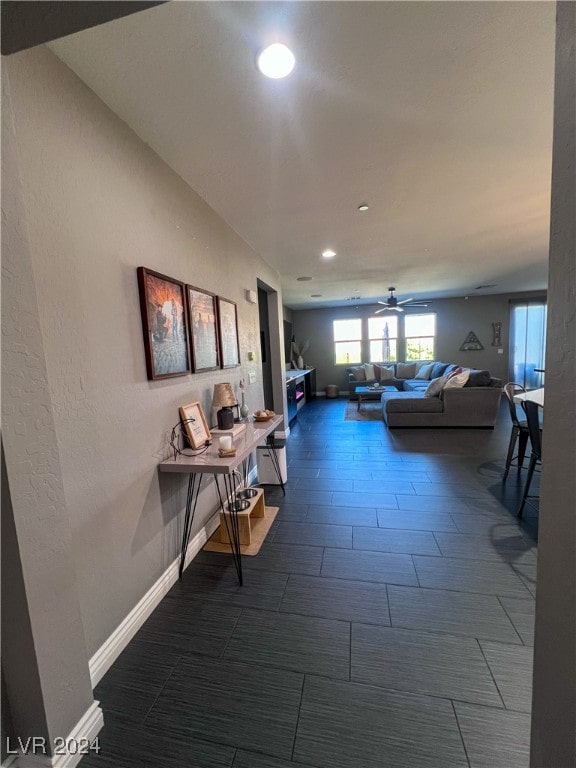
[
  {"x": 328, "y": 253},
  {"x": 276, "y": 61},
  {"x": 363, "y": 207},
  {"x": 315, "y": 295},
  {"x": 303, "y": 279}
]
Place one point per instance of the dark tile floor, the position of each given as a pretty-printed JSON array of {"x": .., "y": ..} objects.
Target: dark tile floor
[{"x": 387, "y": 620}]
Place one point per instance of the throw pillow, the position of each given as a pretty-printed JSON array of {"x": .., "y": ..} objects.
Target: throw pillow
[
  {"x": 406, "y": 370},
  {"x": 478, "y": 379},
  {"x": 386, "y": 373},
  {"x": 425, "y": 371},
  {"x": 369, "y": 368},
  {"x": 458, "y": 379},
  {"x": 436, "y": 386},
  {"x": 438, "y": 370},
  {"x": 358, "y": 373},
  {"x": 449, "y": 369}
]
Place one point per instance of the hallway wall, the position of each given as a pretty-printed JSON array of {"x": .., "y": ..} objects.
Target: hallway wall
[{"x": 99, "y": 203}]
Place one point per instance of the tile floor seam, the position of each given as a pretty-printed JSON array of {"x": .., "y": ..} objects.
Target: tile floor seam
[
  {"x": 298, "y": 717},
  {"x": 461, "y": 734},
  {"x": 492, "y": 673},
  {"x": 161, "y": 691},
  {"x": 526, "y": 645}
]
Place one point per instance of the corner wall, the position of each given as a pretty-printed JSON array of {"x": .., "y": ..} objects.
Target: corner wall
[{"x": 98, "y": 204}]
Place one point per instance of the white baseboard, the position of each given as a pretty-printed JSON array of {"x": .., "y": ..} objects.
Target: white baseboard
[
  {"x": 10, "y": 762},
  {"x": 84, "y": 732},
  {"x": 109, "y": 651}
]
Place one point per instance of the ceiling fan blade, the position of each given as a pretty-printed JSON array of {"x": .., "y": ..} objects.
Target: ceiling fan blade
[
  {"x": 418, "y": 304},
  {"x": 397, "y": 309},
  {"x": 405, "y": 301},
  {"x": 383, "y": 302},
  {"x": 380, "y": 310}
]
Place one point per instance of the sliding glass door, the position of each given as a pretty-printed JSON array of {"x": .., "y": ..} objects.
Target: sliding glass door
[{"x": 528, "y": 343}]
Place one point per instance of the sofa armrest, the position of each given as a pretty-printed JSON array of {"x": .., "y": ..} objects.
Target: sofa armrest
[{"x": 476, "y": 405}]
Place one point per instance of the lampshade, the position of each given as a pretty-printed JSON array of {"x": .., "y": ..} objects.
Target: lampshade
[{"x": 223, "y": 395}]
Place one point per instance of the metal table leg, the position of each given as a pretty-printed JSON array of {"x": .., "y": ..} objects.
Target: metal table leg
[
  {"x": 230, "y": 515},
  {"x": 194, "y": 483}
]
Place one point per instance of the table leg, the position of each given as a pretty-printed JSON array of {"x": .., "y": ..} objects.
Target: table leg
[
  {"x": 231, "y": 514},
  {"x": 359, "y": 402},
  {"x": 194, "y": 483}
]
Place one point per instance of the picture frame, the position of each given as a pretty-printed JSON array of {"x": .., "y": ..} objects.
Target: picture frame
[
  {"x": 164, "y": 325},
  {"x": 195, "y": 425},
  {"x": 228, "y": 333},
  {"x": 203, "y": 319}
]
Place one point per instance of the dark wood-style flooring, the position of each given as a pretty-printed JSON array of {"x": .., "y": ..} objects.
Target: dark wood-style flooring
[{"x": 387, "y": 620}]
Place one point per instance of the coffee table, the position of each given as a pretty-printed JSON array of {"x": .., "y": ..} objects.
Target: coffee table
[{"x": 370, "y": 393}]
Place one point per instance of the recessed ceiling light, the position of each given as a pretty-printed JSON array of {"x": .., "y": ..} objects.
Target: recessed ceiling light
[
  {"x": 363, "y": 207},
  {"x": 328, "y": 253},
  {"x": 276, "y": 61},
  {"x": 303, "y": 279}
]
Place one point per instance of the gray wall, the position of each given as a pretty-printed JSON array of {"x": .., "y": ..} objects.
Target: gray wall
[
  {"x": 98, "y": 204},
  {"x": 455, "y": 319},
  {"x": 554, "y": 691}
]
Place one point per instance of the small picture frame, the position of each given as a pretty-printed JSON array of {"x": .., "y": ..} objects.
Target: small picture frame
[
  {"x": 195, "y": 425},
  {"x": 228, "y": 327},
  {"x": 202, "y": 312},
  {"x": 164, "y": 325}
]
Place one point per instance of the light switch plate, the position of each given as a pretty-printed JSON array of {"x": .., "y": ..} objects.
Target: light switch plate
[
  {"x": 251, "y": 377},
  {"x": 500, "y": 351}
]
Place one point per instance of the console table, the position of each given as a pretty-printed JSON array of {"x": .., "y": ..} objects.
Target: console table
[{"x": 232, "y": 472}]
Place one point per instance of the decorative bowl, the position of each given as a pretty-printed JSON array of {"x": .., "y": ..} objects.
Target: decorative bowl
[{"x": 269, "y": 416}]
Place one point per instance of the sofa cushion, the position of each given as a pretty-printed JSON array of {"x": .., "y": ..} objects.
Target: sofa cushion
[
  {"x": 405, "y": 370},
  {"x": 359, "y": 373},
  {"x": 478, "y": 379},
  {"x": 387, "y": 373},
  {"x": 411, "y": 385},
  {"x": 369, "y": 369},
  {"x": 436, "y": 386},
  {"x": 438, "y": 370},
  {"x": 450, "y": 368},
  {"x": 425, "y": 371},
  {"x": 457, "y": 379},
  {"x": 412, "y": 402}
]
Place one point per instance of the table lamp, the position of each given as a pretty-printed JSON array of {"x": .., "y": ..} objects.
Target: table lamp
[{"x": 223, "y": 398}]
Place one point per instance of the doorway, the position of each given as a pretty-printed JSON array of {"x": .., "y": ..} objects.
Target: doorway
[{"x": 265, "y": 354}]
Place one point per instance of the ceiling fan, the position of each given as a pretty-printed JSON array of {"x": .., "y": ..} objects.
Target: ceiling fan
[{"x": 393, "y": 303}]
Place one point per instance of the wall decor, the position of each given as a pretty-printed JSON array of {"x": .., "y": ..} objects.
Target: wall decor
[
  {"x": 497, "y": 334},
  {"x": 164, "y": 324},
  {"x": 204, "y": 346},
  {"x": 195, "y": 425},
  {"x": 228, "y": 328},
  {"x": 471, "y": 343}
]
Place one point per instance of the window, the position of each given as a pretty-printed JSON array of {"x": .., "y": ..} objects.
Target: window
[
  {"x": 420, "y": 332},
  {"x": 348, "y": 341},
  {"x": 383, "y": 339}
]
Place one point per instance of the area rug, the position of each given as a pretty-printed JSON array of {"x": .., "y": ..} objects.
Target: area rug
[
  {"x": 369, "y": 411},
  {"x": 259, "y": 527}
]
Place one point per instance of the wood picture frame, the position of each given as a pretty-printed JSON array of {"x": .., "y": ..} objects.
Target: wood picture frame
[
  {"x": 195, "y": 425},
  {"x": 164, "y": 325},
  {"x": 203, "y": 321},
  {"x": 228, "y": 333}
]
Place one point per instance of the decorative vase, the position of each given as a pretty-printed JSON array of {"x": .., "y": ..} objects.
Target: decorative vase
[
  {"x": 225, "y": 418},
  {"x": 300, "y": 363},
  {"x": 244, "y": 411}
]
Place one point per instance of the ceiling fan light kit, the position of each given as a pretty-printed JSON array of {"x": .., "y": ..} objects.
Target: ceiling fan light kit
[{"x": 394, "y": 305}]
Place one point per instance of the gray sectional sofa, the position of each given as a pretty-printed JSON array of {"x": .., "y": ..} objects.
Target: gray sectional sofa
[
  {"x": 465, "y": 407},
  {"x": 474, "y": 405}
]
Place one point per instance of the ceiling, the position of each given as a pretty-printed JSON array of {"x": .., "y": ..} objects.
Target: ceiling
[{"x": 436, "y": 114}]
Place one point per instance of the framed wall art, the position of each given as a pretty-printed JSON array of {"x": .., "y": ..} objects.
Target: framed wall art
[
  {"x": 195, "y": 425},
  {"x": 164, "y": 324},
  {"x": 202, "y": 312},
  {"x": 228, "y": 329}
]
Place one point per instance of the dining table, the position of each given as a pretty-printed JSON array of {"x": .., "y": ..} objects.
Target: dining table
[{"x": 536, "y": 395}]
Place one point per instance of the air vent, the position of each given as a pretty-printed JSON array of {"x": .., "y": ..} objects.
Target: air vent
[{"x": 480, "y": 287}]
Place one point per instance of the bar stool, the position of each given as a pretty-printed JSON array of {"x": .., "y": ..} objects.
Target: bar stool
[
  {"x": 533, "y": 420},
  {"x": 519, "y": 428}
]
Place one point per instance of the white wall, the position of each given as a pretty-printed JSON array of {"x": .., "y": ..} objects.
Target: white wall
[{"x": 99, "y": 203}]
